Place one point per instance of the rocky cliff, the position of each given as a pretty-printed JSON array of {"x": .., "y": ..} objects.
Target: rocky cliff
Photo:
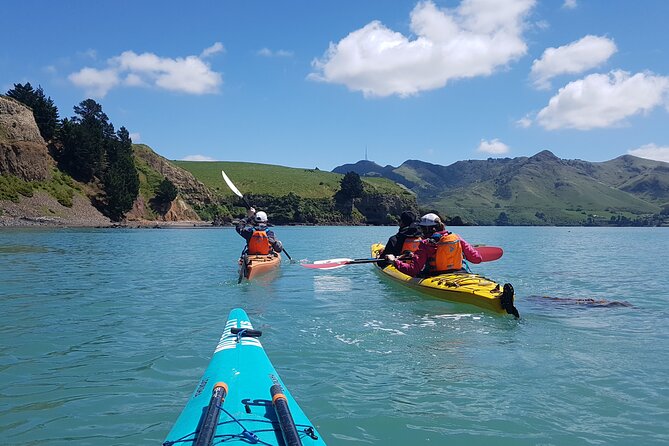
[
  {"x": 23, "y": 152},
  {"x": 192, "y": 190}
]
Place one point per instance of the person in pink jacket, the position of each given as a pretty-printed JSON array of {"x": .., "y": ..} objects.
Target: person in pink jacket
[{"x": 440, "y": 251}]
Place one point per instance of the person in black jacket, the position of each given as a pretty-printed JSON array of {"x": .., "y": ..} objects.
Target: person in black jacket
[{"x": 408, "y": 229}]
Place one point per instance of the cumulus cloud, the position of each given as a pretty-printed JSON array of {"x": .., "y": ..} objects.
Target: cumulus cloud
[
  {"x": 191, "y": 74},
  {"x": 96, "y": 82},
  {"x": 266, "y": 52},
  {"x": 471, "y": 40},
  {"x": 569, "y": 4},
  {"x": 198, "y": 158},
  {"x": 604, "y": 100},
  {"x": 494, "y": 147},
  {"x": 136, "y": 137},
  {"x": 652, "y": 152},
  {"x": 574, "y": 58}
]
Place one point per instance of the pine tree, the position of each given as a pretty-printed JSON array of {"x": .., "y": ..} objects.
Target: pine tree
[
  {"x": 84, "y": 139},
  {"x": 44, "y": 110},
  {"x": 121, "y": 182}
]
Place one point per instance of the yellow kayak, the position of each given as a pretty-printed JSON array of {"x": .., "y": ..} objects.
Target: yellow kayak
[{"x": 460, "y": 287}]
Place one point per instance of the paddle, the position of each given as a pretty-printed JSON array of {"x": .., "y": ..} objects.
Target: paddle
[
  {"x": 338, "y": 263},
  {"x": 234, "y": 189},
  {"x": 207, "y": 431},
  {"x": 489, "y": 254},
  {"x": 242, "y": 269}
]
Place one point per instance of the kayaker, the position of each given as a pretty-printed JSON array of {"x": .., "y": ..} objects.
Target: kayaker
[
  {"x": 407, "y": 237},
  {"x": 439, "y": 251},
  {"x": 260, "y": 240}
]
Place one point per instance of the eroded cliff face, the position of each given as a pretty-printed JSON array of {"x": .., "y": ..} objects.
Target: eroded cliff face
[
  {"x": 192, "y": 190},
  {"x": 23, "y": 151}
]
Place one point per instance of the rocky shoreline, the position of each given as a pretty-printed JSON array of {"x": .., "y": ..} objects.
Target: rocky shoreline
[{"x": 42, "y": 210}]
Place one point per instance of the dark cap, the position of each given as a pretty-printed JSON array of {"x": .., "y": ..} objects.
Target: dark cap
[{"x": 407, "y": 218}]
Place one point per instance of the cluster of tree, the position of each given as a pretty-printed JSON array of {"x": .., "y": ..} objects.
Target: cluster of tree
[
  {"x": 621, "y": 220},
  {"x": 87, "y": 147},
  {"x": 292, "y": 208}
]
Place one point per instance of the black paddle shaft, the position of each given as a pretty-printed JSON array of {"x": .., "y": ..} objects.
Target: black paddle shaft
[
  {"x": 207, "y": 431},
  {"x": 290, "y": 435}
]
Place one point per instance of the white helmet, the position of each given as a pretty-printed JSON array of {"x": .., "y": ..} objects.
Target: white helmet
[
  {"x": 429, "y": 220},
  {"x": 260, "y": 217}
]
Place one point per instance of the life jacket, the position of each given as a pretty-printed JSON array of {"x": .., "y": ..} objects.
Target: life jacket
[
  {"x": 410, "y": 244},
  {"x": 259, "y": 243},
  {"x": 448, "y": 255}
]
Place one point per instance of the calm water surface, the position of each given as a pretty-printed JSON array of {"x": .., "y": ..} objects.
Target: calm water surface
[{"x": 105, "y": 333}]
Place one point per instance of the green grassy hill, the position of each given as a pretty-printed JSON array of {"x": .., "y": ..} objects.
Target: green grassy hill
[
  {"x": 538, "y": 190},
  {"x": 267, "y": 179}
]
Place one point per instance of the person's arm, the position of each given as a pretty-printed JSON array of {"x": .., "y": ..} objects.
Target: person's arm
[
  {"x": 415, "y": 266},
  {"x": 390, "y": 247},
  {"x": 276, "y": 245},
  {"x": 243, "y": 226},
  {"x": 470, "y": 253}
]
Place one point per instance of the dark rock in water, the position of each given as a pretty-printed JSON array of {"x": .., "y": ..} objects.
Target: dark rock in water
[{"x": 583, "y": 301}]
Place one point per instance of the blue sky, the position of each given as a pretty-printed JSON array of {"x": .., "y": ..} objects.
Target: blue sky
[{"x": 316, "y": 84}]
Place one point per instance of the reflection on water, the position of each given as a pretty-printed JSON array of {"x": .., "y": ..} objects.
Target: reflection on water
[{"x": 327, "y": 283}]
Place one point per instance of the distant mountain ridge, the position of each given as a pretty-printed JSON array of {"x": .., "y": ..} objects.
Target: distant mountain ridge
[{"x": 541, "y": 189}]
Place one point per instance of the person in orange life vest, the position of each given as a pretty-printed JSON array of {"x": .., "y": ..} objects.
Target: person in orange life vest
[
  {"x": 407, "y": 236},
  {"x": 259, "y": 239},
  {"x": 406, "y": 239},
  {"x": 439, "y": 251}
]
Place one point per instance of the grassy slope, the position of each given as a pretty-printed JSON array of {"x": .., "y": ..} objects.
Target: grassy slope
[
  {"x": 573, "y": 200},
  {"x": 252, "y": 178},
  {"x": 564, "y": 192}
]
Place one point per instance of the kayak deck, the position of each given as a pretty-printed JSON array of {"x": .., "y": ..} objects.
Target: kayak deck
[
  {"x": 247, "y": 412},
  {"x": 254, "y": 265},
  {"x": 459, "y": 287}
]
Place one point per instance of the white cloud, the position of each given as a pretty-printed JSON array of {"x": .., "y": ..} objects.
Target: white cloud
[
  {"x": 494, "y": 147},
  {"x": 569, "y": 4},
  {"x": 652, "y": 152},
  {"x": 198, "y": 158},
  {"x": 97, "y": 83},
  {"x": 190, "y": 75},
  {"x": 574, "y": 58},
  {"x": 603, "y": 100},
  {"x": 266, "y": 52},
  {"x": 525, "y": 121},
  {"x": 136, "y": 137},
  {"x": 215, "y": 48},
  {"x": 474, "y": 39}
]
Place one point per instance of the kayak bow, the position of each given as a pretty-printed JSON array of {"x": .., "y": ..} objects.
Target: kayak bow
[{"x": 241, "y": 398}]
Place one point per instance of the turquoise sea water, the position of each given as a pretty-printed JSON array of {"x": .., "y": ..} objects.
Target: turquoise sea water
[{"x": 104, "y": 334}]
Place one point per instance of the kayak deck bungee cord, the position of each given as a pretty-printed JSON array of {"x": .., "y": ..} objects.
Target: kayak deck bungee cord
[
  {"x": 460, "y": 287},
  {"x": 241, "y": 399}
]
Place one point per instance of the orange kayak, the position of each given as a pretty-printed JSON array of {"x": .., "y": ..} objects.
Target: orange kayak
[{"x": 251, "y": 266}]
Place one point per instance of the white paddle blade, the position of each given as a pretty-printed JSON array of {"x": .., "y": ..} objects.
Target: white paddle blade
[
  {"x": 327, "y": 264},
  {"x": 328, "y": 261},
  {"x": 232, "y": 187},
  {"x": 324, "y": 267}
]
